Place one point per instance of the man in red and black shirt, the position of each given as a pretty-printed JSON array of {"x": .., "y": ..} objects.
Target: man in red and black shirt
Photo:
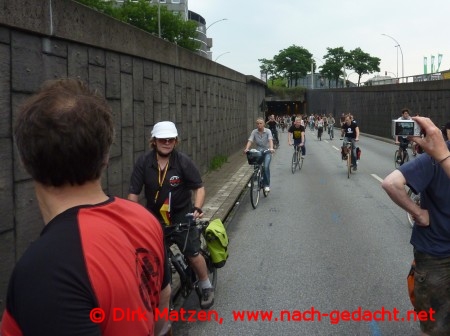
[{"x": 98, "y": 267}]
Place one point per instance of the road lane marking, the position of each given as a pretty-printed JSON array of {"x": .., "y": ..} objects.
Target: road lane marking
[
  {"x": 376, "y": 177},
  {"x": 338, "y": 149}
]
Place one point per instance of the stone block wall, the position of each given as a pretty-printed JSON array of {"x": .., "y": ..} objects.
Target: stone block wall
[
  {"x": 374, "y": 107},
  {"x": 144, "y": 79}
]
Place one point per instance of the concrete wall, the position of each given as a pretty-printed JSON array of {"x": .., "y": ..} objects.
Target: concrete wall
[
  {"x": 145, "y": 79},
  {"x": 374, "y": 107}
]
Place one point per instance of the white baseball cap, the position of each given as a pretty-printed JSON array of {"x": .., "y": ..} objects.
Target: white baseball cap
[{"x": 164, "y": 129}]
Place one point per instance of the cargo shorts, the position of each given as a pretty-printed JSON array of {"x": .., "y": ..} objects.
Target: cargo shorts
[{"x": 432, "y": 291}]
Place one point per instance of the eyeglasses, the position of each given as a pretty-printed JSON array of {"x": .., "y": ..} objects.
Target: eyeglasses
[{"x": 166, "y": 141}]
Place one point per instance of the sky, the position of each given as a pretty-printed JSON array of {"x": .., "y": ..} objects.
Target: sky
[{"x": 256, "y": 29}]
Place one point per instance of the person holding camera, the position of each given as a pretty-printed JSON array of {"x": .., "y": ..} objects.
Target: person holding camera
[
  {"x": 429, "y": 175},
  {"x": 402, "y": 141}
]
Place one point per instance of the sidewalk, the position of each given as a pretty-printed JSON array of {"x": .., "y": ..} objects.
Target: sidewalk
[{"x": 224, "y": 185}]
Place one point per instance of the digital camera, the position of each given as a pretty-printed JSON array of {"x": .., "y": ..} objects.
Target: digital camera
[{"x": 405, "y": 128}]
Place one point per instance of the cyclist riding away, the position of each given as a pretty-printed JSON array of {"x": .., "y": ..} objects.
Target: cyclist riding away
[
  {"x": 263, "y": 139},
  {"x": 402, "y": 141},
  {"x": 351, "y": 134},
  {"x": 297, "y": 133},
  {"x": 272, "y": 124}
]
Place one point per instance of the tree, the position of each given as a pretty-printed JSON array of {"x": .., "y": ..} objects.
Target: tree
[
  {"x": 362, "y": 63},
  {"x": 292, "y": 63},
  {"x": 335, "y": 61},
  {"x": 145, "y": 16},
  {"x": 267, "y": 67}
]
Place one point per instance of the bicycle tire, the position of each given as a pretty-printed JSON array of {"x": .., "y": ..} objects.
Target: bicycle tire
[
  {"x": 349, "y": 164},
  {"x": 405, "y": 156},
  {"x": 255, "y": 188},
  {"x": 294, "y": 162},
  {"x": 396, "y": 163},
  {"x": 416, "y": 199},
  {"x": 212, "y": 270},
  {"x": 276, "y": 143}
]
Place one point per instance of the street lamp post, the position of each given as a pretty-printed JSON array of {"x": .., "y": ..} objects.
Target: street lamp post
[
  {"x": 214, "y": 23},
  {"x": 401, "y": 51},
  {"x": 221, "y": 55},
  {"x": 159, "y": 18}
]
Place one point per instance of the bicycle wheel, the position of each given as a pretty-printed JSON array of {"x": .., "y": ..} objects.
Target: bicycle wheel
[
  {"x": 255, "y": 187},
  {"x": 416, "y": 199},
  {"x": 261, "y": 184},
  {"x": 276, "y": 143},
  {"x": 396, "y": 160},
  {"x": 212, "y": 270},
  {"x": 349, "y": 164},
  {"x": 300, "y": 163},
  {"x": 294, "y": 162},
  {"x": 405, "y": 156}
]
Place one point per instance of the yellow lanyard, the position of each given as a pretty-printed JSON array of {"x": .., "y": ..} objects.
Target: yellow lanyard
[{"x": 161, "y": 180}]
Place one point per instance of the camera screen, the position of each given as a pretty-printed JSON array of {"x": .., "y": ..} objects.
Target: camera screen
[{"x": 404, "y": 128}]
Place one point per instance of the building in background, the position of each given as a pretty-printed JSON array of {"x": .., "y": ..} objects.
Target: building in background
[{"x": 181, "y": 7}]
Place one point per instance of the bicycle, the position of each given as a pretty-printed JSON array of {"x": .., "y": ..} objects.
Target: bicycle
[
  {"x": 181, "y": 265},
  {"x": 416, "y": 199},
  {"x": 276, "y": 141},
  {"x": 331, "y": 131},
  {"x": 297, "y": 159},
  {"x": 256, "y": 158},
  {"x": 347, "y": 156},
  {"x": 319, "y": 133},
  {"x": 400, "y": 156}
]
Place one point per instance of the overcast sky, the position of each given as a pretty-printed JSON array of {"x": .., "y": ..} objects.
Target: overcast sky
[{"x": 257, "y": 29}]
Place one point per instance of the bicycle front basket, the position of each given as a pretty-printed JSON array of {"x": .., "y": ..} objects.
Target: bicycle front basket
[{"x": 254, "y": 157}]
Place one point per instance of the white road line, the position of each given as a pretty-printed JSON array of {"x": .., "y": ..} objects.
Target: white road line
[
  {"x": 338, "y": 149},
  {"x": 376, "y": 177}
]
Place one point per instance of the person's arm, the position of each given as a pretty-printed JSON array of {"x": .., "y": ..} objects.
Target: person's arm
[
  {"x": 303, "y": 138},
  {"x": 289, "y": 138},
  {"x": 433, "y": 143},
  {"x": 271, "y": 146},
  {"x": 199, "y": 199},
  {"x": 133, "y": 197},
  {"x": 247, "y": 147},
  {"x": 394, "y": 185},
  {"x": 357, "y": 133},
  {"x": 162, "y": 325}
]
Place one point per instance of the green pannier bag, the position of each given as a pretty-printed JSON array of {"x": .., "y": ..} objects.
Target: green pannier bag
[{"x": 217, "y": 242}]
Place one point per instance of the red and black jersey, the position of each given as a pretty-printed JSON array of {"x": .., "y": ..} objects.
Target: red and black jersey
[{"x": 102, "y": 263}]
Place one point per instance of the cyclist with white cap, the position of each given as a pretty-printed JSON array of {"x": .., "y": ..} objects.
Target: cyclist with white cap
[{"x": 169, "y": 178}]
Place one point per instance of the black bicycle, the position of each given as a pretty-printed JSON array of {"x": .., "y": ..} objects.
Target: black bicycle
[
  {"x": 297, "y": 159},
  {"x": 401, "y": 156},
  {"x": 180, "y": 264},
  {"x": 276, "y": 141},
  {"x": 256, "y": 158}
]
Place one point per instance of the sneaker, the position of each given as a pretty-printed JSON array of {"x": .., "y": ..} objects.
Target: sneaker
[
  {"x": 266, "y": 189},
  {"x": 302, "y": 157},
  {"x": 354, "y": 168},
  {"x": 207, "y": 298}
]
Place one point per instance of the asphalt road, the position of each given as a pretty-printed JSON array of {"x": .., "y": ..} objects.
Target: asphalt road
[{"x": 321, "y": 248}]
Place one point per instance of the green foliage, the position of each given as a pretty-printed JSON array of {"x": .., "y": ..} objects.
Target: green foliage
[
  {"x": 145, "y": 16},
  {"x": 295, "y": 93},
  {"x": 335, "y": 61},
  {"x": 295, "y": 62},
  {"x": 218, "y": 162},
  {"x": 362, "y": 63}
]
